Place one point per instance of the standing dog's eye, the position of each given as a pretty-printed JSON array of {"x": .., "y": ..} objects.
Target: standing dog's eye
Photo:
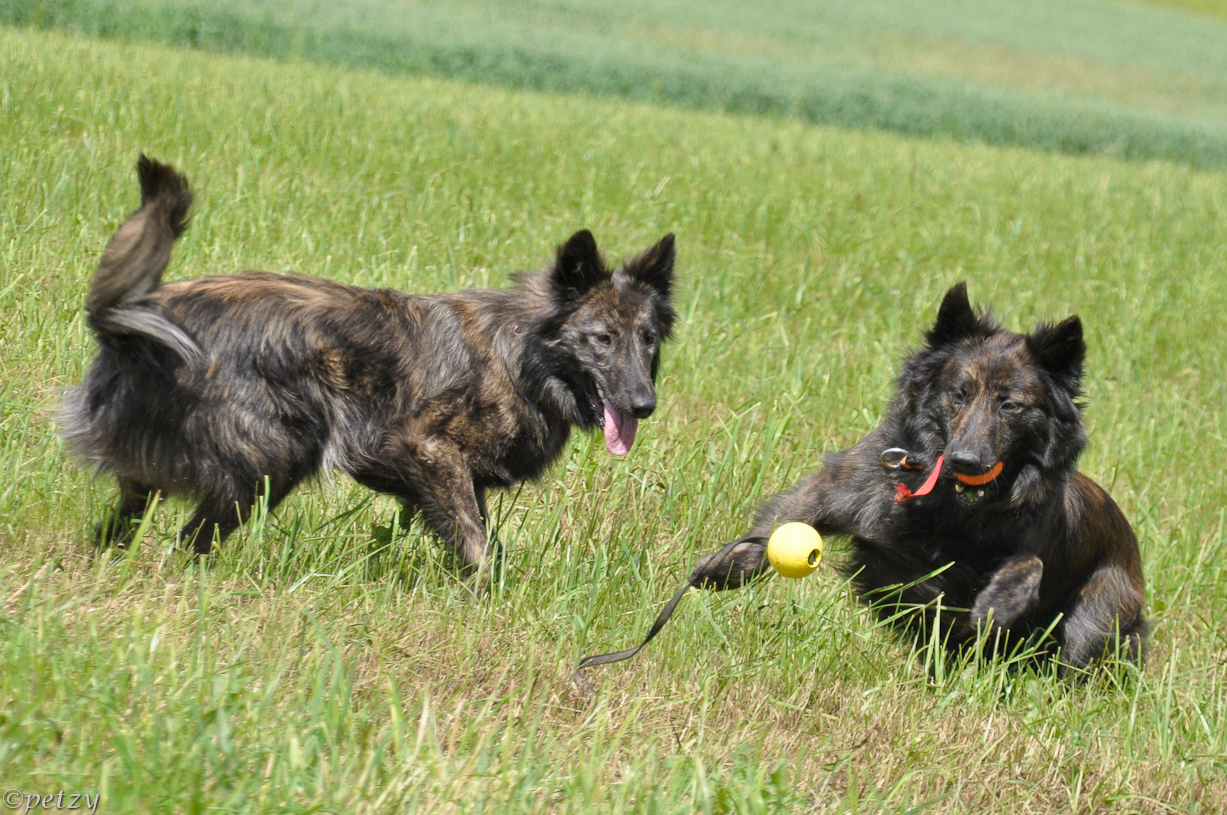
[
  {"x": 1010, "y": 407},
  {"x": 604, "y": 339},
  {"x": 649, "y": 338}
]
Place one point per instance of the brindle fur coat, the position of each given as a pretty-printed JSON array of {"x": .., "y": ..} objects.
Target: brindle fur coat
[
  {"x": 1040, "y": 545},
  {"x": 223, "y": 388}
]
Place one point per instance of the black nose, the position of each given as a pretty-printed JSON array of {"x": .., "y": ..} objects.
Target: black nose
[
  {"x": 965, "y": 461},
  {"x": 643, "y": 405}
]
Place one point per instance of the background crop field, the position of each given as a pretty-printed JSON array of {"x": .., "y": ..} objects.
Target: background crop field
[
  {"x": 1077, "y": 76},
  {"x": 329, "y": 661},
  {"x": 1216, "y": 8}
]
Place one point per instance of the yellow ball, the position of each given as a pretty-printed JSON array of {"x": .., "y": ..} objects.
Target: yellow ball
[{"x": 795, "y": 549}]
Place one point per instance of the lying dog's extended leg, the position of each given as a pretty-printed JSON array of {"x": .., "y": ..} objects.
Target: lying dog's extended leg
[
  {"x": 733, "y": 566},
  {"x": 1106, "y": 614},
  {"x": 739, "y": 562},
  {"x": 809, "y": 502},
  {"x": 1010, "y": 595},
  {"x": 816, "y": 501}
]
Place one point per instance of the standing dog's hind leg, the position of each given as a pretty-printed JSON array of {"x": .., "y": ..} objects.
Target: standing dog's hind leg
[
  {"x": 214, "y": 519},
  {"x": 119, "y": 522},
  {"x": 218, "y": 515}
]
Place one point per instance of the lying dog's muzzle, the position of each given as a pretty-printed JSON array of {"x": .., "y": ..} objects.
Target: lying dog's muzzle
[{"x": 896, "y": 458}]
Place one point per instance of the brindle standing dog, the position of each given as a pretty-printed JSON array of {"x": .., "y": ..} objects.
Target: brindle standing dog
[
  {"x": 221, "y": 387},
  {"x": 987, "y": 419}
]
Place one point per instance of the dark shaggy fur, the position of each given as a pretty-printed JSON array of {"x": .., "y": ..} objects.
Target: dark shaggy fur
[
  {"x": 1039, "y": 544},
  {"x": 219, "y": 387}
]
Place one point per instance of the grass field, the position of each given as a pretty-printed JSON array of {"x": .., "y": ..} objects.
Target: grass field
[
  {"x": 328, "y": 661},
  {"x": 1088, "y": 76},
  {"x": 1213, "y": 8}
]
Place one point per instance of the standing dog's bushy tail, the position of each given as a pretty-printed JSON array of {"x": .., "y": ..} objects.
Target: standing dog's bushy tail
[{"x": 132, "y": 265}]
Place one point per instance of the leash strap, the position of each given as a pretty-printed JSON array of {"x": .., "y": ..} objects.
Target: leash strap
[
  {"x": 903, "y": 494},
  {"x": 661, "y": 619}
]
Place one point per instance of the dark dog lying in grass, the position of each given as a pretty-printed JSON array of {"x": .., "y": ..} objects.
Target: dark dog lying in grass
[
  {"x": 225, "y": 387},
  {"x": 967, "y": 497}
]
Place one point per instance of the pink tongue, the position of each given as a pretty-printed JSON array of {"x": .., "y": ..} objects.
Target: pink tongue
[{"x": 619, "y": 430}]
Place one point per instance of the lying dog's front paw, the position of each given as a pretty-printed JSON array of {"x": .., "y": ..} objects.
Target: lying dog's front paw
[
  {"x": 732, "y": 567},
  {"x": 1013, "y": 591}
]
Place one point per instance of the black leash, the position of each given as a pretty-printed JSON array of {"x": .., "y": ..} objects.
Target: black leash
[
  {"x": 736, "y": 564},
  {"x": 618, "y": 656}
]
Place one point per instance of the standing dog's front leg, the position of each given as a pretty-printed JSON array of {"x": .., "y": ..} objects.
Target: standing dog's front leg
[
  {"x": 432, "y": 476},
  {"x": 450, "y": 506}
]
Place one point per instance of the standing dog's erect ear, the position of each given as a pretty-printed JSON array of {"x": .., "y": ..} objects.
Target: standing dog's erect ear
[
  {"x": 1060, "y": 350},
  {"x": 654, "y": 266},
  {"x": 956, "y": 320},
  {"x": 577, "y": 266}
]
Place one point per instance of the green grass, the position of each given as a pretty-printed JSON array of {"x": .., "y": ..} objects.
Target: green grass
[
  {"x": 1215, "y": 8},
  {"x": 1090, "y": 76},
  {"x": 329, "y": 661}
]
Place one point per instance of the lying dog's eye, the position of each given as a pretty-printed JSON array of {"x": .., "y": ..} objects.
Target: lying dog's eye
[
  {"x": 649, "y": 338},
  {"x": 604, "y": 339},
  {"x": 1010, "y": 407}
]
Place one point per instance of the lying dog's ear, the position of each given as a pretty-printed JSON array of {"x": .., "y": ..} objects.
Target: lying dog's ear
[
  {"x": 1060, "y": 350},
  {"x": 957, "y": 321},
  {"x": 654, "y": 267},
  {"x": 577, "y": 266}
]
